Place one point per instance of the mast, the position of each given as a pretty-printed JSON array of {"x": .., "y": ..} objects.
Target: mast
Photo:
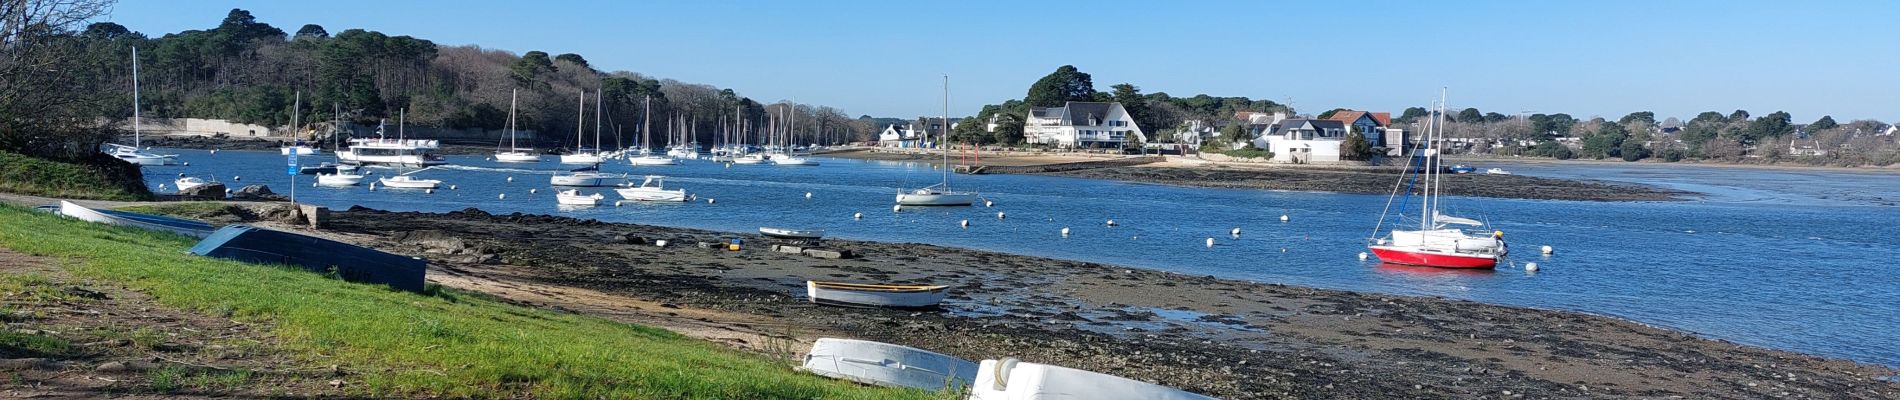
[
  {"x": 580, "y": 121},
  {"x": 646, "y": 123},
  {"x": 597, "y": 104},
  {"x": 512, "y": 94},
  {"x": 296, "y": 110},
  {"x": 945, "y": 142},
  {"x": 135, "y": 97},
  {"x": 336, "y": 126}
]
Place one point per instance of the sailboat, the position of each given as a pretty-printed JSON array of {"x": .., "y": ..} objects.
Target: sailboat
[
  {"x": 646, "y": 156},
  {"x": 296, "y": 132},
  {"x": 1436, "y": 242},
  {"x": 939, "y": 194},
  {"x": 403, "y": 180},
  {"x": 786, "y": 156},
  {"x": 339, "y": 175},
  {"x": 583, "y": 155},
  {"x": 133, "y": 154},
  {"x": 515, "y": 154},
  {"x": 588, "y": 176}
]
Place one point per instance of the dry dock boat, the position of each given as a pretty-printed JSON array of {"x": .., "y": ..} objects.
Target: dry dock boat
[
  {"x": 1010, "y": 379},
  {"x": 886, "y": 364},
  {"x": 874, "y": 295}
]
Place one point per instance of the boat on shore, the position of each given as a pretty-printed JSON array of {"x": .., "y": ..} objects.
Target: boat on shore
[
  {"x": 1435, "y": 243},
  {"x": 1462, "y": 169},
  {"x": 875, "y": 295},
  {"x": 180, "y": 226},
  {"x": 788, "y": 233},
  {"x": 652, "y": 189},
  {"x": 353, "y": 263},
  {"x": 1012, "y": 379},
  {"x": 890, "y": 365},
  {"x": 1497, "y": 171}
]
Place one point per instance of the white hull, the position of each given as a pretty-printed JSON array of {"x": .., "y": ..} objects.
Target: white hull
[
  {"x": 187, "y": 183},
  {"x": 651, "y": 194},
  {"x": 574, "y": 198},
  {"x": 886, "y": 364},
  {"x": 339, "y": 179},
  {"x": 650, "y": 160},
  {"x": 848, "y": 295},
  {"x": 1448, "y": 241},
  {"x": 69, "y": 209},
  {"x": 792, "y": 233},
  {"x": 407, "y": 160},
  {"x": 936, "y": 199},
  {"x": 748, "y": 161},
  {"x": 301, "y": 150},
  {"x": 139, "y": 157},
  {"x": 587, "y": 180},
  {"x": 404, "y": 182},
  {"x": 518, "y": 157},
  {"x": 794, "y": 161},
  {"x": 580, "y": 158},
  {"x": 1009, "y": 379}
]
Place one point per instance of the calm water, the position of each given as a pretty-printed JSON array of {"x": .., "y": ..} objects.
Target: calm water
[{"x": 1791, "y": 260}]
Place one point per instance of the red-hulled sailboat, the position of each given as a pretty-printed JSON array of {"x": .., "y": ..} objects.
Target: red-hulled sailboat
[{"x": 1439, "y": 240}]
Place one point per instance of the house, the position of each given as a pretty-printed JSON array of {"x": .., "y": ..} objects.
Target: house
[
  {"x": 893, "y": 136},
  {"x": 1259, "y": 123},
  {"x": 1082, "y": 124},
  {"x": 1805, "y": 147},
  {"x": 1193, "y": 132},
  {"x": 1891, "y": 130},
  {"x": 1303, "y": 141},
  {"x": 1370, "y": 125}
]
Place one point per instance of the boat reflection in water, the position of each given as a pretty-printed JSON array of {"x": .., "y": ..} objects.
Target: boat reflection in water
[{"x": 1433, "y": 271}]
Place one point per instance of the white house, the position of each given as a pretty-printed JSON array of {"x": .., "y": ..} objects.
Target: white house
[
  {"x": 1081, "y": 124},
  {"x": 895, "y": 137},
  {"x": 1303, "y": 141}
]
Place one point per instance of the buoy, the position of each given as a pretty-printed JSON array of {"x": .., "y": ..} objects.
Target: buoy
[
  {"x": 1547, "y": 250},
  {"x": 161, "y": 187},
  {"x": 617, "y": 203},
  {"x": 1283, "y": 218},
  {"x": 511, "y": 179},
  {"x": 227, "y": 191},
  {"x": 181, "y": 174},
  {"x": 728, "y": 165},
  {"x": 237, "y": 178},
  {"x": 1236, "y": 232},
  {"x": 451, "y": 187},
  {"x": 187, "y": 163},
  {"x": 1111, "y": 222},
  {"x": 1065, "y": 231},
  {"x": 503, "y": 196},
  {"x": 857, "y": 216},
  {"x": 999, "y": 215},
  {"x": 428, "y": 191},
  {"x": 1362, "y": 256},
  {"x": 533, "y": 191},
  {"x": 1210, "y": 242},
  {"x": 660, "y": 243},
  {"x": 709, "y": 200},
  {"x": 965, "y": 224},
  {"x": 1282, "y": 249},
  {"x": 312, "y": 184},
  {"x": 1530, "y": 267},
  {"x": 807, "y": 195},
  {"x": 987, "y": 203},
  {"x": 214, "y": 152},
  {"x": 896, "y": 208}
]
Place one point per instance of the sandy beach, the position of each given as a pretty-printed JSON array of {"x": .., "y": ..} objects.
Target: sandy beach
[{"x": 1226, "y": 338}]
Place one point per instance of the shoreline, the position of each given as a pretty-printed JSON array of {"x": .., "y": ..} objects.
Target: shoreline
[
  {"x": 1786, "y": 167},
  {"x": 1228, "y": 338}
]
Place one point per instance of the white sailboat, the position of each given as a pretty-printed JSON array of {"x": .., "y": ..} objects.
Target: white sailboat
[
  {"x": 939, "y": 194},
  {"x": 652, "y": 189},
  {"x": 646, "y": 157},
  {"x": 344, "y": 175},
  {"x": 296, "y": 132},
  {"x": 574, "y": 197},
  {"x": 787, "y": 157},
  {"x": 515, "y": 153},
  {"x": 134, "y": 153},
  {"x": 584, "y": 155},
  {"x": 1436, "y": 243}
]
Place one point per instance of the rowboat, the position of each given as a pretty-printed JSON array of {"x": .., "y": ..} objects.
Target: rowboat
[
  {"x": 792, "y": 233},
  {"x": 873, "y": 295},
  {"x": 1012, "y": 379},
  {"x": 351, "y": 262},
  {"x": 886, "y": 364},
  {"x": 143, "y": 221}
]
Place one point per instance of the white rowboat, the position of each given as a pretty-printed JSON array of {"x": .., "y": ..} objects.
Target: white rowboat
[
  {"x": 792, "y": 233},
  {"x": 872, "y": 295},
  {"x": 1010, "y": 379},
  {"x": 886, "y": 364}
]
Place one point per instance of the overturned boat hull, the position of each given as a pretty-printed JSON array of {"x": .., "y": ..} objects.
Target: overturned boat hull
[
  {"x": 351, "y": 262},
  {"x": 143, "y": 221},
  {"x": 886, "y": 364},
  {"x": 1009, "y": 379}
]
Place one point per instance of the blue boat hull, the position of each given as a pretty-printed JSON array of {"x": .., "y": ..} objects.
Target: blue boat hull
[{"x": 351, "y": 262}]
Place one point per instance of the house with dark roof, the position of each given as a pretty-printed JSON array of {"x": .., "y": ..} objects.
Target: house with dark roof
[
  {"x": 1082, "y": 124},
  {"x": 1305, "y": 140},
  {"x": 919, "y": 134}
]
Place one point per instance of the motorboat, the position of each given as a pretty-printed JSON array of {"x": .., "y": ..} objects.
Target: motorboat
[
  {"x": 398, "y": 152},
  {"x": 339, "y": 179},
  {"x": 652, "y": 189},
  {"x": 159, "y": 223},
  {"x": 791, "y": 160},
  {"x": 874, "y": 295},
  {"x": 574, "y": 197},
  {"x": 408, "y": 182},
  {"x": 350, "y": 262},
  {"x": 325, "y": 168},
  {"x": 1012, "y": 379},
  {"x": 787, "y": 233},
  {"x": 1497, "y": 171},
  {"x": 588, "y": 177},
  {"x": 751, "y": 159},
  {"x": 185, "y": 183},
  {"x": 1462, "y": 169},
  {"x": 890, "y": 365}
]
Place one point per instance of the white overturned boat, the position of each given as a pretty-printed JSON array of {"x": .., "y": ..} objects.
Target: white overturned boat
[
  {"x": 587, "y": 177},
  {"x": 873, "y": 295},
  {"x": 574, "y": 197},
  {"x": 409, "y": 182},
  {"x": 652, "y": 189},
  {"x": 792, "y": 233},
  {"x": 339, "y": 179},
  {"x": 1011, "y": 379},
  {"x": 886, "y": 364},
  {"x": 142, "y": 221}
]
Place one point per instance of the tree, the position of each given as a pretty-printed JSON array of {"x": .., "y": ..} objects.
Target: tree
[
  {"x": 1235, "y": 133},
  {"x": 1137, "y": 105},
  {"x": 1495, "y": 117},
  {"x": 1355, "y": 147},
  {"x": 1412, "y": 114},
  {"x": 1769, "y": 126},
  {"x": 573, "y": 58},
  {"x": 311, "y": 31},
  {"x": 108, "y": 31},
  {"x": 1738, "y": 115},
  {"x": 1606, "y": 141},
  {"x": 531, "y": 66},
  {"x": 242, "y": 27},
  {"x": 1469, "y": 115},
  {"x": 1064, "y": 85},
  {"x": 1709, "y": 116},
  {"x": 1632, "y": 150},
  {"x": 1646, "y": 117},
  {"x": 1330, "y": 113},
  {"x": 1826, "y": 122}
]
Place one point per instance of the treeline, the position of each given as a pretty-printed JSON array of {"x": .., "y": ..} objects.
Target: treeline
[
  {"x": 1156, "y": 113},
  {"x": 248, "y": 71},
  {"x": 1733, "y": 137}
]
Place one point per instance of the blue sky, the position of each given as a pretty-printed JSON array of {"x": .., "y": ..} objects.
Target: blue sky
[{"x": 885, "y": 58}]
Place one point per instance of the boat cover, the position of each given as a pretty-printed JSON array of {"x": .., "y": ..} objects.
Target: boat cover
[{"x": 351, "y": 262}]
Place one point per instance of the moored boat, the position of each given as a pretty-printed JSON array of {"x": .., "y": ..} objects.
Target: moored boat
[
  {"x": 1435, "y": 243},
  {"x": 351, "y": 262},
  {"x": 574, "y": 197},
  {"x": 185, "y": 183},
  {"x": 339, "y": 179},
  {"x": 886, "y": 364},
  {"x": 515, "y": 153},
  {"x": 875, "y": 295},
  {"x": 136, "y": 220},
  {"x": 939, "y": 194},
  {"x": 1012, "y": 379},
  {"x": 652, "y": 189},
  {"x": 409, "y": 182},
  {"x": 586, "y": 177}
]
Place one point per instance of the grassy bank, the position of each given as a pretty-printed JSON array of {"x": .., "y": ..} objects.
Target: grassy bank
[
  {"x": 449, "y": 343},
  {"x": 42, "y": 177}
]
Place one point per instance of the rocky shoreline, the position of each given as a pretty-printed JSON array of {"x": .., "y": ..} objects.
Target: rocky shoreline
[
  {"x": 1226, "y": 338},
  {"x": 1370, "y": 181}
]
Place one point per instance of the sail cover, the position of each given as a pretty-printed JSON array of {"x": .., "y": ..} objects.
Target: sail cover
[{"x": 1450, "y": 220}]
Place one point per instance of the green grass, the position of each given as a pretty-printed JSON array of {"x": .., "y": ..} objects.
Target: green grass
[
  {"x": 1248, "y": 152},
  {"x": 189, "y": 209},
  {"x": 447, "y": 344},
  {"x": 41, "y": 177}
]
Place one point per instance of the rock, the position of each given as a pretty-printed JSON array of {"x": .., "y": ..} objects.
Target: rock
[
  {"x": 213, "y": 191},
  {"x": 27, "y": 363},
  {"x": 828, "y": 254},
  {"x": 256, "y": 192},
  {"x": 629, "y": 239},
  {"x": 111, "y": 367},
  {"x": 433, "y": 241},
  {"x": 85, "y": 293},
  {"x": 788, "y": 249}
]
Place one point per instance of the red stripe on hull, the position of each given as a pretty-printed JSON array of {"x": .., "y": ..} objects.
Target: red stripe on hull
[{"x": 1433, "y": 259}]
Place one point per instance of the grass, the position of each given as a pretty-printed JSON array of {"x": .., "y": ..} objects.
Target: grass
[
  {"x": 1248, "y": 152},
  {"x": 445, "y": 344},
  {"x": 188, "y": 209},
  {"x": 41, "y": 177}
]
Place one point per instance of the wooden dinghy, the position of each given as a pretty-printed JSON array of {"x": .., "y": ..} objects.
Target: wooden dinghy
[
  {"x": 351, "y": 262},
  {"x": 1011, "y": 379},
  {"x": 886, "y": 364},
  {"x": 143, "y": 221},
  {"x": 874, "y": 295}
]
